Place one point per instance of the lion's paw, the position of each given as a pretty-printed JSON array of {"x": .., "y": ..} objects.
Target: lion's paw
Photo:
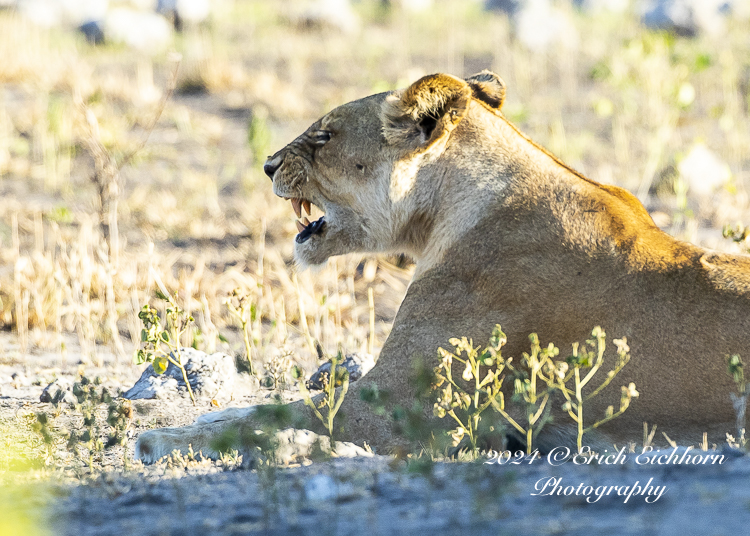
[
  {"x": 153, "y": 445},
  {"x": 224, "y": 415}
]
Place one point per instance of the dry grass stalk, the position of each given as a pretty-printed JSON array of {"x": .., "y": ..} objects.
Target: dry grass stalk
[
  {"x": 69, "y": 287},
  {"x": 371, "y": 302},
  {"x": 648, "y": 436}
]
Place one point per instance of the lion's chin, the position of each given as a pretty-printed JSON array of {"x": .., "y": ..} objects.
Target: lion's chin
[
  {"x": 339, "y": 232},
  {"x": 335, "y": 238},
  {"x": 312, "y": 253}
]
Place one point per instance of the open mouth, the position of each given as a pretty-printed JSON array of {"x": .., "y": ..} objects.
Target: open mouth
[{"x": 304, "y": 226}]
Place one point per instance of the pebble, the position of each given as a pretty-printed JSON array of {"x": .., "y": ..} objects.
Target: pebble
[
  {"x": 358, "y": 364},
  {"x": 209, "y": 375},
  {"x": 60, "y": 389},
  {"x": 704, "y": 171}
]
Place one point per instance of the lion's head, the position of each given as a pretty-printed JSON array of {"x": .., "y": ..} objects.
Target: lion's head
[{"x": 373, "y": 167}]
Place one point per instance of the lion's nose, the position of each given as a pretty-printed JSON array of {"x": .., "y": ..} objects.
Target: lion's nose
[{"x": 271, "y": 165}]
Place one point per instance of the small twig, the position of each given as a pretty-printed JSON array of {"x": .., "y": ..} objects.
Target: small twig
[
  {"x": 371, "y": 302},
  {"x": 177, "y": 58},
  {"x": 303, "y": 316},
  {"x": 648, "y": 437},
  {"x": 671, "y": 443}
]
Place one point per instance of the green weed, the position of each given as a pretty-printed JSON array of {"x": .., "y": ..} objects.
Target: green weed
[
  {"x": 243, "y": 309},
  {"x": 536, "y": 380},
  {"x": 162, "y": 343},
  {"x": 466, "y": 405},
  {"x": 735, "y": 367},
  {"x": 330, "y": 402},
  {"x": 96, "y": 435},
  {"x": 591, "y": 357}
]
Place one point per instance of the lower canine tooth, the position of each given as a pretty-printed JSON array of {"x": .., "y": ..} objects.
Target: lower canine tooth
[
  {"x": 305, "y": 221},
  {"x": 300, "y": 226}
]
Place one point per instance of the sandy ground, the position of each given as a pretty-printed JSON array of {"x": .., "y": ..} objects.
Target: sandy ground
[
  {"x": 373, "y": 495},
  {"x": 370, "y": 496}
]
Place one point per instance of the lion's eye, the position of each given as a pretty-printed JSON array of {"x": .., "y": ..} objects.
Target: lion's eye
[{"x": 319, "y": 137}]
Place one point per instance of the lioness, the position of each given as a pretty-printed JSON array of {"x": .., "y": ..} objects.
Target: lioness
[{"x": 505, "y": 233}]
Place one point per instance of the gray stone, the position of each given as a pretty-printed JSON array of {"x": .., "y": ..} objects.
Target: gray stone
[
  {"x": 538, "y": 24},
  {"x": 346, "y": 449},
  {"x": 93, "y": 31},
  {"x": 337, "y": 14},
  {"x": 210, "y": 376},
  {"x": 70, "y": 13},
  {"x": 137, "y": 26},
  {"x": 60, "y": 390},
  {"x": 610, "y": 6},
  {"x": 294, "y": 445},
  {"x": 704, "y": 171},
  {"x": 182, "y": 12},
  {"x": 358, "y": 364},
  {"x": 687, "y": 17},
  {"x": 509, "y": 7},
  {"x": 19, "y": 379},
  {"x": 512, "y": 7},
  {"x": 141, "y": 30}
]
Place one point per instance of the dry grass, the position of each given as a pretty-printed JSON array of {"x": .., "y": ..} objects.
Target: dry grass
[{"x": 194, "y": 207}]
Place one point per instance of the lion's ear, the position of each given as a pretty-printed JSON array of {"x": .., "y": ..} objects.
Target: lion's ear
[
  {"x": 488, "y": 88},
  {"x": 429, "y": 108}
]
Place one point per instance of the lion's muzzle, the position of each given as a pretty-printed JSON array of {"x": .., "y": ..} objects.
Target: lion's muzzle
[{"x": 272, "y": 164}]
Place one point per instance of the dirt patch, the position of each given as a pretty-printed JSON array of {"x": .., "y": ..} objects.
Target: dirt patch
[
  {"x": 376, "y": 495},
  {"x": 370, "y": 496}
]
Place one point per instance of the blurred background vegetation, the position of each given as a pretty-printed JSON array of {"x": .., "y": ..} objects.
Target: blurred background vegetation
[{"x": 127, "y": 155}]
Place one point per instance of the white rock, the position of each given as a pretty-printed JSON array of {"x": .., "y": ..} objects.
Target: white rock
[
  {"x": 540, "y": 26},
  {"x": 189, "y": 11},
  {"x": 19, "y": 379},
  {"x": 358, "y": 364},
  {"x": 143, "y": 5},
  {"x": 703, "y": 170},
  {"x": 76, "y": 12},
  {"x": 294, "y": 445},
  {"x": 193, "y": 11},
  {"x": 687, "y": 17},
  {"x": 209, "y": 375},
  {"x": 147, "y": 32},
  {"x": 71, "y": 13},
  {"x": 60, "y": 390},
  {"x": 227, "y": 414},
  {"x": 510, "y": 7},
  {"x": 597, "y": 6},
  {"x": 335, "y": 13},
  {"x": 152, "y": 387},
  {"x": 45, "y": 13},
  {"x": 345, "y": 449}
]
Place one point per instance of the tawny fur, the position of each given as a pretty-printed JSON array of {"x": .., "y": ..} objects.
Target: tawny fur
[{"x": 505, "y": 233}]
